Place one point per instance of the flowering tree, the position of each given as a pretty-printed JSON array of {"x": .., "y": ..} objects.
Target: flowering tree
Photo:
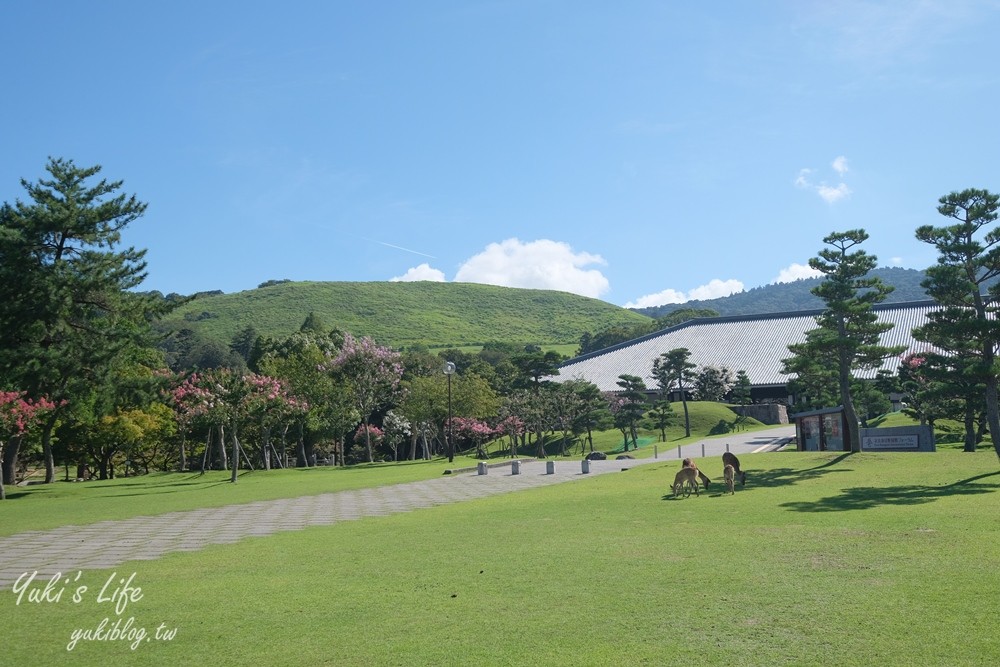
[
  {"x": 513, "y": 427},
  {"x": 266, "y": 404},
  {"x": 372, "y": 374},
  {"x": 397, "y": 430},
  {"x": 475, "y": 431},
  {"x": 221, "y": 400},
  {"x": 368, "y": 436},
  {"x": 17, "y": 416}
]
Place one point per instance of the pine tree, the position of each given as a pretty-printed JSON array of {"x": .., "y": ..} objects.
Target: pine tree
[
  {"x": 66, "y": 306},
  {"x": 849, "y": 331}
]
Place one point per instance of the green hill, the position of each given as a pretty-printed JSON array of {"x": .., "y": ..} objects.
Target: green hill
[{"x": 404, "y": 313}]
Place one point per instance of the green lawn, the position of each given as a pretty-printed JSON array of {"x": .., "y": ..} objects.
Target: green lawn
[
  {"x": 44, "y": 506},
  {"x": 822, "y": 559}
]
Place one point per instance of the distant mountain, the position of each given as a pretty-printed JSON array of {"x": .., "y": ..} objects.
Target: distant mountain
[
  {"x": 402, "y": 313},
  {"x": 788, "y": 297}
]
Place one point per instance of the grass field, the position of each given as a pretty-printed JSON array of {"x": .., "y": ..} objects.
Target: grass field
[{"x": 822, "y": 559}]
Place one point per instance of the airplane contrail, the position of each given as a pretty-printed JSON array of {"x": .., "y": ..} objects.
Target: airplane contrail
[{"x": 415, "y": 252}]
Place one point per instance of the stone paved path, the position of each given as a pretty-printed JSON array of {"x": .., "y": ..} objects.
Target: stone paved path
[{"x": 110, "y": 543}]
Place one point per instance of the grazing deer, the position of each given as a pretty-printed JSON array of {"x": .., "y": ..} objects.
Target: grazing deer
[
  {"x": 689, "y": 463},
  {"x": 729, "y": 472},
  {"x": 685, "y": 476},
  {"x": 729, "y": 459}
]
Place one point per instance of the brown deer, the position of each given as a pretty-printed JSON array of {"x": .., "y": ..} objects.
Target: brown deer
[
  {"x": 729, "y": 459},
  {"x": 689, "y": 463},
  {"x": 729, "y": 472},
  {"x": 685, "y": 477}
]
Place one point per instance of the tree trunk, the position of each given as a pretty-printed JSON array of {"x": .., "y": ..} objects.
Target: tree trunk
[
  {"x": 208, "y": 446},
  {"x": 223, "y": 462},
  {"x": 236, "y": 456},
  {"x": 970, "y": 427},
  {"x": 300, "y": 450},
  {"x": 265, "y": 449},
  {"x": 368, "y": 443},
  {"x": 182, "y": 465},
  {"x": 993, "y": 411},
  {"x": 50, "y": 465},
  {"x": 103, "y": 466},
  {"x": 9, "y": 459},
  {"x": 850, "y": 414},
  {"x": 3, "y": 491}
]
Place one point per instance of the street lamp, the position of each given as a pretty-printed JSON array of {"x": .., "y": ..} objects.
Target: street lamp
[{"x": 449, "y": 370}]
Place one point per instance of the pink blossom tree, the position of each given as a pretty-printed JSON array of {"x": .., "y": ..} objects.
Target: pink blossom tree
[
  {"x": 18, "y": 415},
  {"x": 372, "y": 374},
  {"x": 222, "y": 400},
  {"x": 475, "y": 431}
]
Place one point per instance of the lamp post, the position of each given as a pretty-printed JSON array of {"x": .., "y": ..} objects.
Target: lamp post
[{"x": 449, "y": 370}]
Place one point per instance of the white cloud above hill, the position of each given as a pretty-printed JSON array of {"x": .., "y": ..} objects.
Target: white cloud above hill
[
  {"x": 714, "y": 289},
  {"x": 418, "y": 273},
  {"x": 794, "y": 272},
  {"x": 541, "y": 264}
]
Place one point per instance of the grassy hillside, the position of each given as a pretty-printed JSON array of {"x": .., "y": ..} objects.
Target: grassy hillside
[{"x": 402, "y": 314}]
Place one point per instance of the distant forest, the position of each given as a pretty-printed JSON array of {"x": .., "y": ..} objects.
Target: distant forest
[{"x": 788, "y": 297}]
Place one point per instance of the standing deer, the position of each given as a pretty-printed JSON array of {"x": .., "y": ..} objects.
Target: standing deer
[
  {"x": 689, "y": 463},
  {"x": 686, "y": 476},
  {"x": 729, "y": 459},
  {"x": 729, "y": 472}
]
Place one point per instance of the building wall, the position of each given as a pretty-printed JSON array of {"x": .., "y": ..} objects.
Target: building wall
[{"x": 766, "y": 413}]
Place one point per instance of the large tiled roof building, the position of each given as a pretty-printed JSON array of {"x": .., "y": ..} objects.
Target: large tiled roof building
[{"x": 755, "y": 344}]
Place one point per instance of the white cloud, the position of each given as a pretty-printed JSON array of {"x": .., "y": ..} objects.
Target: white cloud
[
  {"x": 896, "y": 261},
  {"x": 797, "y": 272},
  {"x": 541, "y": 264},
  {"x": 417, "y": 273},
  {"x": 831, "y": 194},
  {"x": 658, "y": 299},
  {"x": 802, "y": 181},
  {"x": 713, "y": 290}
]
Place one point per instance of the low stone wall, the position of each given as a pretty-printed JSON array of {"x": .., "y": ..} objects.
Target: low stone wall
[{"x": 765, "y": 413}]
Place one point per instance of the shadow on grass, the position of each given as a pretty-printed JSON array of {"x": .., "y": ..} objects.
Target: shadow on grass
[
  {"x": 786, "y": 476},
  {"x": 863, "y": 498}
]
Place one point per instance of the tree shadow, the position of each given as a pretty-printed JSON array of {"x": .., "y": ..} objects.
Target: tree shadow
[
  {"x": 862, "y": 498},
  {"x": 786, "y": 476}
]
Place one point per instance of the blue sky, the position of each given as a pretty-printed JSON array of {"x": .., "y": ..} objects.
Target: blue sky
[{"x": 637, "y": 152}]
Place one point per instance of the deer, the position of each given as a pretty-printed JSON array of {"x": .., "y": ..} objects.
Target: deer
[
  {"x": 729, "y": 473},
  {"x": 689, "y": 463},
  {"x": 729, "y": 459},
  {"x": 685, "y": 476}
]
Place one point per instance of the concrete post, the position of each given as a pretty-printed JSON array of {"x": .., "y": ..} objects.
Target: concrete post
[
  {"x": 585, "y": 467},
  {"x": 515, "y": 467},
  {"x": 550, "y": 467},
  {"x": 483, "y": 469}
]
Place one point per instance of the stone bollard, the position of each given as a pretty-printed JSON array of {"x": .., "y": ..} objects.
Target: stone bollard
[
  {"x": 515, "y": 467},
  {"x": 550, "y": 467},
  {"x": 656, "y": 451},
  {"x": 483, "y": 469},
  {"x": 585, "y": 467}
]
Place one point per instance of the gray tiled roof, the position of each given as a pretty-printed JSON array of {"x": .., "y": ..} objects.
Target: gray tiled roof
[{"x": 755, "y": 344}]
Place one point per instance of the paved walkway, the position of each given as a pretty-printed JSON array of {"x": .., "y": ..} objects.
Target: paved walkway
[{"x": 110, "y": 543}]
